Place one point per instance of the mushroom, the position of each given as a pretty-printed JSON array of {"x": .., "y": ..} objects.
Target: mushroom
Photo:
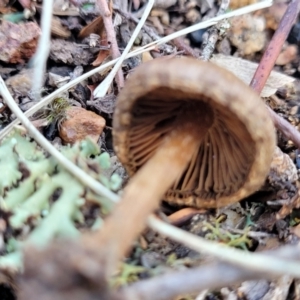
[
  {"x": 193, "y": 134},
  {"x": 202, "y": 118}
]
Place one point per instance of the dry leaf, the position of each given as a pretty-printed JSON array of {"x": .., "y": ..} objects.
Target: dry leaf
[
  {"x": 96, "y": 26},
  {"x": 103, "y": 54}
]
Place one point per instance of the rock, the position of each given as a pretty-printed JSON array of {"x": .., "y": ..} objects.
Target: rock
[
  {"x": 248, "y": 34},
  {"x": 18, "y": 42},
  {"x": 20, "y": 84},
  {"x": 287, "y": 55},
  {"x": 80, "y": 124}
]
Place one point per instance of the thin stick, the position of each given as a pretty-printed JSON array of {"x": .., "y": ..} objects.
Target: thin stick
[
  {"x": 251, "y": 261},
  {"x": 68, "y": 165},
  {"x": 209, "y": 276},
  {"x": 43, "y": 49},
  {"x": 267, "y": 63},
  {"x": 106, "y": 14},
  {"x": 268, "y": 60},
  {"x": 174, "y": 284},
  {"x": 103, "y": 87}
]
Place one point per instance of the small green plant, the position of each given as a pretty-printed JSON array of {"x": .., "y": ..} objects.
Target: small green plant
[
  {"x": 56, "y": 110},
  {"x": 216, "y": 233}
]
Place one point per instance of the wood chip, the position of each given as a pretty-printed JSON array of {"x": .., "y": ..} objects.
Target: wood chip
[{"x": 245, "y": 70}]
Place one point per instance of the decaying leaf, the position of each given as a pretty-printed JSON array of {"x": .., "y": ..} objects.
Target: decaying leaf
[
  {"x": 96, "y": 26},
  {"x": 20, "y": 84},
  {"x": 245, "y": 69}
]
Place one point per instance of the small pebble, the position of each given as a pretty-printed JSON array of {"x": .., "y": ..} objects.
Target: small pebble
[{"x": 80, "y": 124}]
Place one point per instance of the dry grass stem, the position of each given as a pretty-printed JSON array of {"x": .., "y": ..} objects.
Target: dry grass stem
[
  {"x": 210, "y": 276},
  {"x": 43, "y": 49},
  {"x": 103, "y": 87},
  {"x": 251, "y": 261}
]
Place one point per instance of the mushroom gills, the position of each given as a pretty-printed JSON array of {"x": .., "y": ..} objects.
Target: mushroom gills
[{"x": 219, "y": 167}]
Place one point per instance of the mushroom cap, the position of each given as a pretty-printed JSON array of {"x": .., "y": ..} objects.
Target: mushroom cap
[{"x": 234, "y": 157}]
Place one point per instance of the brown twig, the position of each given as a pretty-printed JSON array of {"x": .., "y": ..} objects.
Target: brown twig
[
  {"x": 105, "y": 12},
  {"x": 267, "y": 63}
]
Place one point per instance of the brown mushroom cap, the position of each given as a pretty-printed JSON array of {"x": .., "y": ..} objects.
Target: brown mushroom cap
[{"x": 233, "y": 158}]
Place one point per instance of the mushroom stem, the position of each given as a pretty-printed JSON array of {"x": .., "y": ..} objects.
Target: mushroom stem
[{"x": 145, "y": 190}]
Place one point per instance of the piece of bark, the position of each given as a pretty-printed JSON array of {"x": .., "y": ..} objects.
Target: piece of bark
[
  {"x": 245, "y": 69},
  {"x": 69, "y": 53},
  {"x": 18, "y": 42}
]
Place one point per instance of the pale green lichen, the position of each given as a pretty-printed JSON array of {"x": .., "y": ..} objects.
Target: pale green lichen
[{"x": 38, "y": 193}]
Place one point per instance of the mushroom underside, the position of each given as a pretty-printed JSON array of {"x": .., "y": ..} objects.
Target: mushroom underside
[{"x": 220, "y": 165}]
